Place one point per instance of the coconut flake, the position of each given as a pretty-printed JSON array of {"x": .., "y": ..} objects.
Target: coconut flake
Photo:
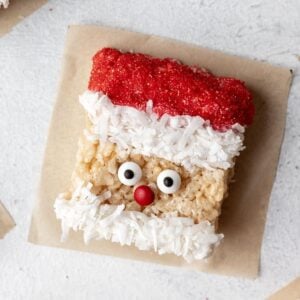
[
  {"x": 177, "y": 235},
  {"x": 184, "y": 140}
]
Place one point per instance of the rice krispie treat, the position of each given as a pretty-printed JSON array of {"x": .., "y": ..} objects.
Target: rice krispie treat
[{"x": 156, "y": 157}]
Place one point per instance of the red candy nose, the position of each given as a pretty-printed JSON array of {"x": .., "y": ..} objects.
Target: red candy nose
[{"x": 143, "y": 195}]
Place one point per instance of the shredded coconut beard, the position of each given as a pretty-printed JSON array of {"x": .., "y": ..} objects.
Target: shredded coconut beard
[
  {"x": 184, "y": 140},
  {"x": 85, "y": 211},
  {"x": 4, "y": 3}
]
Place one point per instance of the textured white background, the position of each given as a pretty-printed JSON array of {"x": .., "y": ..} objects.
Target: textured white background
[{"x": 30, "y": 60}]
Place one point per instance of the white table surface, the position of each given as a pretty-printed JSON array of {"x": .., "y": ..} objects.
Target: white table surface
[{"x": 30, "y": 64}]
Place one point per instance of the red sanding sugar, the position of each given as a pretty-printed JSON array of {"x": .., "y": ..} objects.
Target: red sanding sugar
[{"x": 131, "y": 79}]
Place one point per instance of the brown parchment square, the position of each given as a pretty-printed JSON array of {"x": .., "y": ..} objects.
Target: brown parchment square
[
  {"x": 6, "y": 221},
  {"x": 16, "y": 12},
  {"x": 244, "y": 212}
]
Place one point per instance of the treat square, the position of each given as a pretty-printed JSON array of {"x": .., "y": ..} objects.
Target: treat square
[{"x": 200, "y": 196}]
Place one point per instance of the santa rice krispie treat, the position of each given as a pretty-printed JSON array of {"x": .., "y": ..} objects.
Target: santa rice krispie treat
[{"x": 157, "y": 155}]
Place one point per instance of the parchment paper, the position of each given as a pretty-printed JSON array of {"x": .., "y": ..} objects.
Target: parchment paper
[
  {"x": 244, "y": 212},
  {"x": 16, "y": 12},
  {"x": 289, "y": 292},
  {"x": 6, "y": 221}
]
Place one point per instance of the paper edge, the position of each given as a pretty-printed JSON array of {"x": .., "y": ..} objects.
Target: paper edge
[
  {"x": 16, "y": 15},
  {"x": 183, "y": 43},
  {"x": 291, "y": 287},
  {"x": 7, "y": 220}
]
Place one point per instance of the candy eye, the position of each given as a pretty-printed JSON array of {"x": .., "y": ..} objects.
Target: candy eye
[
  {"x": 168, "y": 181},
  {"x": 129, "y": 173}
]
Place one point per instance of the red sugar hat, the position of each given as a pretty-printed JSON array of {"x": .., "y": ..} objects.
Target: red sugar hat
[{"x": 131, "y": 79}]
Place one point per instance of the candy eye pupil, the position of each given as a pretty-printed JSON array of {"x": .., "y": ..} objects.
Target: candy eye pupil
[
  {"x": 168, "y": 181},
  {"x": 128, "y": 174}
]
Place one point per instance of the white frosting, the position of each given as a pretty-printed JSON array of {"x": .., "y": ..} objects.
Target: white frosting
[
  {"x": 4, "y": 3},
  {"x": 176, "y": 235},
  {"x": 184, "y": 140}
]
